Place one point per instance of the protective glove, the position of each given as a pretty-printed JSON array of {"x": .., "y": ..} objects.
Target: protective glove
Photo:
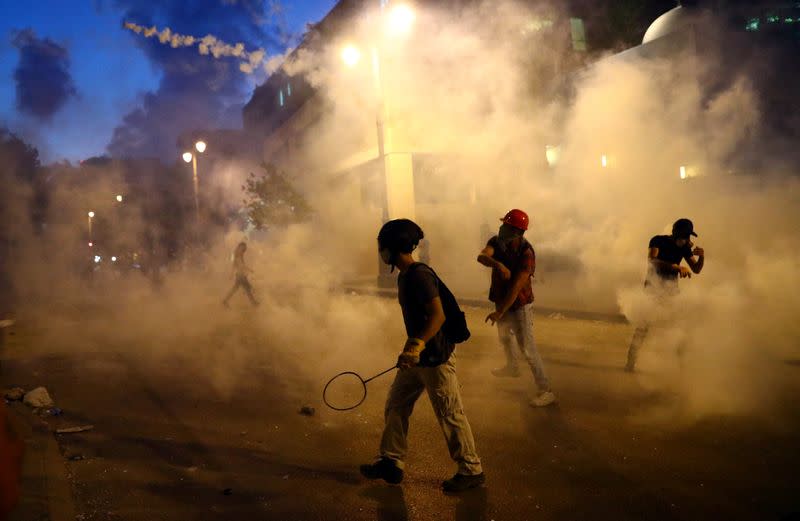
[{"x": 410, "y": 355}]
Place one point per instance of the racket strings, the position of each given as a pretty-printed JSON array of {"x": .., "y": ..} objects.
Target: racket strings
[{"x": 345, "y": 391}]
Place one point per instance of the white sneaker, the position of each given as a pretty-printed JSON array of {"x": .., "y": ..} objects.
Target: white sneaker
[{"x": 543, "y": 399}]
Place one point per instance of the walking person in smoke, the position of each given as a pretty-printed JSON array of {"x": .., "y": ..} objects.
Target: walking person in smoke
[
  {"x": 664, "y": 268},
  {"x": 513, "y": 262},
  {"x": 240, "y": 272},
  {"x": 427, "y": 363}
]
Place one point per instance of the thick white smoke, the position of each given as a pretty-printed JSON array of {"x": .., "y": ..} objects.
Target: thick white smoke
[{"x": 472, "y": 89}]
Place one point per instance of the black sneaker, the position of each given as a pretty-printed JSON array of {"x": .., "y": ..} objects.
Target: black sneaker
[
  {"x": 384, "y": 469},
  {"x": 462, "y": 482},
  {"x": 506, "y": 371}
]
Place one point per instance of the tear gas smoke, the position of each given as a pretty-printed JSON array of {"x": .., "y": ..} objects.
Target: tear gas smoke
[
  {"x": 461, "y": 91},
  {"x": 209, "y": 44}
]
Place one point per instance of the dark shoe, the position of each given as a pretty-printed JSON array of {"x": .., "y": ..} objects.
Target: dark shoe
[
  {"x": 462, "y": 482},
  {"x": 384, "y": 469},
  {"x": 506, "y": 371}
]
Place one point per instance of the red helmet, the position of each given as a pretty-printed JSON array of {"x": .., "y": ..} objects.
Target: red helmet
[{"x": 517, "y": 219}]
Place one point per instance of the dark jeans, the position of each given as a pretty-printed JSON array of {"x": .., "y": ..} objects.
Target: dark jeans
[{"x": 242, "y": 282}]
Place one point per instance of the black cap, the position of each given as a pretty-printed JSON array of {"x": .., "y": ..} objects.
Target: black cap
[{"x": 683, "y": 228}]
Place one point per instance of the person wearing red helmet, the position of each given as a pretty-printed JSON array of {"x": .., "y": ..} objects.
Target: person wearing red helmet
[{"x": 513, "y": 262}]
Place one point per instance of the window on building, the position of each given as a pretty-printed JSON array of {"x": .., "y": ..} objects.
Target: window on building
[
  {"x": 280, "y": 98},
  {"x": 578, "y": 34}
]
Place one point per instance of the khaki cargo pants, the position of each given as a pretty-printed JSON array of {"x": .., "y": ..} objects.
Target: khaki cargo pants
[{"x": 441, "y": 384}]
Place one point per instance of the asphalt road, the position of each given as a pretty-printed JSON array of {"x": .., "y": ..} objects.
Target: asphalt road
[{"x": 167, "y": 445}]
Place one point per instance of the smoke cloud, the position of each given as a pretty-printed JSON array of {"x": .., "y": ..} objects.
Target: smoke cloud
[
  {"x": 195, "y": 92},
  {"x": 249, "y": 61},
  {"x": 482, "y": 129},
  {"x": 43, "y": 80},
  {"x": 488, "y": 123}
]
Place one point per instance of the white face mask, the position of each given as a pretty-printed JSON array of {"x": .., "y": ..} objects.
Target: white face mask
[{"x": 386, "y": 256}]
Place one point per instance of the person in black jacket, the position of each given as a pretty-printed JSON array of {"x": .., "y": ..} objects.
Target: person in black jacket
[
  {"x": 426, "y": 363},
  {"x": 664, "y": 269}
]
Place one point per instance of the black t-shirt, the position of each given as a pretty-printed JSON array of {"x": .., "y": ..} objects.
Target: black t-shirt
[
  {"x": 669, "y": 252},
  {"x": 415, "y": 288}
]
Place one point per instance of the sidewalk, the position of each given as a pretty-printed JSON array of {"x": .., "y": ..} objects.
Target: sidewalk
[{"x": 46, "y": 492}]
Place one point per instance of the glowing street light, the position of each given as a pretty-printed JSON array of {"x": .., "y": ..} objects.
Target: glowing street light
[
  {"x": 351, "y": 55},
  {"x": 91, "y": 216},
  {"x": 119, "y": 198},
  {"x": 604, "y": 161},
  {"x": 200, "y": 146},
  {"x": 400, "y": 19},
  {"x": 552, "y": 153},
  {"x": 682, "y": 171}
]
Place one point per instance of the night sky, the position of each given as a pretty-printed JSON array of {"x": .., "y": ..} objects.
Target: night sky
[{"x": 76, "y": 84}]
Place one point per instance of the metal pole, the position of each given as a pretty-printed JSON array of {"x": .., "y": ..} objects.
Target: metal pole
[
  {"x": 385, "y": 278},
  {"x": 194, "y": 177},
  {"x": 379, "y": 124}
]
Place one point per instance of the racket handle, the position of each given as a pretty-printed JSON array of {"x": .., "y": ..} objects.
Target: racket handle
[{"x": 381, "y": 373}]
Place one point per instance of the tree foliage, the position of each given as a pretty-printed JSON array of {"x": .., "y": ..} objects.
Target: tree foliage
[
  {"x": 272, "y": 201},
  {"x": 18, "y": 159}
]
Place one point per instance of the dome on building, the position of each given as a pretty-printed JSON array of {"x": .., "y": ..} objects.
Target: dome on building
[{"x": 673, "y": 21}]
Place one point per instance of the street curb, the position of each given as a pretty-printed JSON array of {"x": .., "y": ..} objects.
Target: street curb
[
  {"x": 46, "y": 488},
  {"x": 481, "y": 303}
]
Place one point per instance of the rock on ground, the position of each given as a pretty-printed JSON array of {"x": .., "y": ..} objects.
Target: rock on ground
[
  {"x": 38, "y": 398},
  {"x": 14, "y": 394}
]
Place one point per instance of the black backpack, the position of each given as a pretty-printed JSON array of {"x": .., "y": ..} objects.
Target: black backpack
[{"x": 455, "y": 323}]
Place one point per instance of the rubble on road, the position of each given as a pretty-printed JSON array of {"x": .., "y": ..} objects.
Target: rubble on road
[
  {"x": 38, "y": 398},
  {"x": 70, "y": 430},
  {"x": 14, "y": 394}
]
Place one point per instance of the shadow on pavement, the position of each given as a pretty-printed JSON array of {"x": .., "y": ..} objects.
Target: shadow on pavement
[
  {"x": 473, "y": 505},
  {"x": 391, "y": 502}
]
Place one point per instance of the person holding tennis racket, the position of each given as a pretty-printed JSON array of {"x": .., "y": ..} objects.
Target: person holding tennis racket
[{"x": 426, "y": 364}]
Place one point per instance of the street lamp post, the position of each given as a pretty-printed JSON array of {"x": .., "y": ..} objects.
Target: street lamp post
[
  {"x": 189, "y": 157},
  {"x": 399, "y": 21},
  {"x": 91, "y": 216}
]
